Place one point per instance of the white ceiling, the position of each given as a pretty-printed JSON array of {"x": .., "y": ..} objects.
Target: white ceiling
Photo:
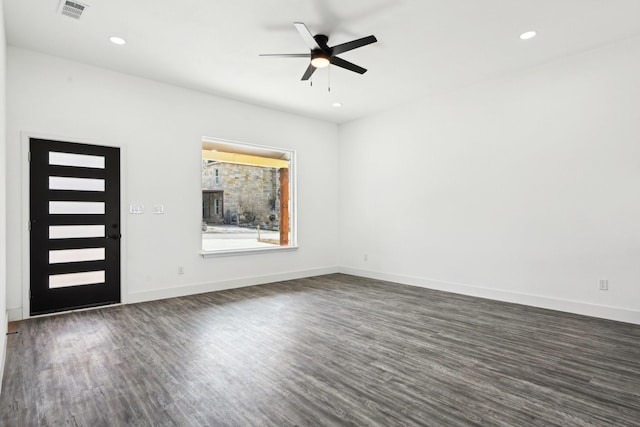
[{"x": 425, "y": 47}]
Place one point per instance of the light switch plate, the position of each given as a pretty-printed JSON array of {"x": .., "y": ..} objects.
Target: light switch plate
[{"x": 136, "y": 208}]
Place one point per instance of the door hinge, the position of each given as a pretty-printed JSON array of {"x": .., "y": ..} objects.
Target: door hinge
[{"x": 29, "y": 155}]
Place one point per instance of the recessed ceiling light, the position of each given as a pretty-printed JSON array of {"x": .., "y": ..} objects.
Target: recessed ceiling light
[
  {"x": 528, "y": 35},
  {"x": 337, "y": 104},
  {"x": 117, "y": 40}
]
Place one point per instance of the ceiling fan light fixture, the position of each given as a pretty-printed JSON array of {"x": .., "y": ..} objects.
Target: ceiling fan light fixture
[{"x": 320, "y": 61}]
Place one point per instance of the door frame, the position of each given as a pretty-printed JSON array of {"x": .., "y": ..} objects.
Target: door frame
[
  {"x": 25, "y": 279},
  {"x": 221, "y": 214}
]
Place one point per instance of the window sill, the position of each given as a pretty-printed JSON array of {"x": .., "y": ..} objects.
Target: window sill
[{"x": 247, "y": 251}]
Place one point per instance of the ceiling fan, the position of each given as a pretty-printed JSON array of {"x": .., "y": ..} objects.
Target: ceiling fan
[{"x": 321, "y": 54}]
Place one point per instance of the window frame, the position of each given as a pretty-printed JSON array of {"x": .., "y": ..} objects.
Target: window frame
[{"x": 257, "y": 149}]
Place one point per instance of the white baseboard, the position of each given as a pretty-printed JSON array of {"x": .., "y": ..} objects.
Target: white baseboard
[
  {"x": 200, "y": 288},
  {"x": 14, "y": 314},
  {"x": 3, "y": 344},
  {"x": 576, "y": 307}
]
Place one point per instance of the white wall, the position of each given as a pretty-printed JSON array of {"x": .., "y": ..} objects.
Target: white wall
[
  {"x": 159, "y": 128},
  {"x": 3, "y": 201},
  {"x": 524, "y": 189}
]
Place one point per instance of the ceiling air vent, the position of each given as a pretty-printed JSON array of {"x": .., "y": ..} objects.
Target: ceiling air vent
[{"x": 72, "y": 9}]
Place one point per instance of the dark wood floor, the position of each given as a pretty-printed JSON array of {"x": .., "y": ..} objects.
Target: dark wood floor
[{"x": 326, "y": 351}]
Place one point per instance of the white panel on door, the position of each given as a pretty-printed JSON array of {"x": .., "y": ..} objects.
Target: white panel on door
[
  {"x": 75, "y": 231},
  {"x": 78, "y": 160},
  {"x": 77, "y": 184},
  {"x": 76, "y": 255},
  {"x": 76, "y": 208},
  {"x": 76, "y": 279}
]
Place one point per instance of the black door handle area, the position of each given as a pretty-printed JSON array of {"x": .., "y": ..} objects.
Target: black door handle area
[{"x": 114, "y": 236}]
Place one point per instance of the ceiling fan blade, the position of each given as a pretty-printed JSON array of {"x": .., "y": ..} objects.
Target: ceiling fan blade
[
  {"x": 347, "y": 65},
  {"x": 286, "y": 55},
  {"x": 344, "y": 47},
  {"x": 308, "y": 73},
  {"x": 306, "y": 36}
]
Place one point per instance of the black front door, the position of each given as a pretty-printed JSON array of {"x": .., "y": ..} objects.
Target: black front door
[{"x": 75, "y": 225}]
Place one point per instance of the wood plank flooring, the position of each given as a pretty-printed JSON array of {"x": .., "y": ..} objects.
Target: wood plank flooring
[{"x": 333, "y": 350}]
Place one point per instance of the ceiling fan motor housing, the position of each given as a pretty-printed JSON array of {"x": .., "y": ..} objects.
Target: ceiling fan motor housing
[
  {"x": 321, "y": 58},
  {"x": 322, "y": 41}
]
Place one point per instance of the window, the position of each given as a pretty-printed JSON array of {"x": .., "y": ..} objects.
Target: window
[{"x": 247, "y": 198}]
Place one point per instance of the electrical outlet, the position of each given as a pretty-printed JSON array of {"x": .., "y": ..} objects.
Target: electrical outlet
[
  {"x": 180, "y": 270},
  {"x": 604, "y": 285},
  {"x": 366, "y": 257}
]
